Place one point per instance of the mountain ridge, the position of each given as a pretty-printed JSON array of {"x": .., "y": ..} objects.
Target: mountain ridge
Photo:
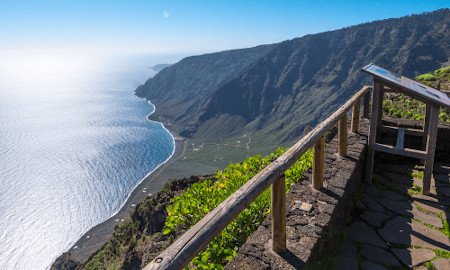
[{"x": 271, "y": 93}]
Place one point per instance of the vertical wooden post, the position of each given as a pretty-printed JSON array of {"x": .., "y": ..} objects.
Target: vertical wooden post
[
  {"x": 431, "y": 147},
  {"x": 342, "y": 135},
  {"x": 373, "y": 129},
  {"x": 279, "y": 216},
  {"x": 355, "y": 116},
  {"x": 318, "y": 163},
  {"x": 426, "y": 123},
  {"x": 366, "y": 104},
  {"x": 380, "y": 111}
]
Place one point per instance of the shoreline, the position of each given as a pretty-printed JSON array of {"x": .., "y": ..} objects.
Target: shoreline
[{"x": 151, "y": 183}]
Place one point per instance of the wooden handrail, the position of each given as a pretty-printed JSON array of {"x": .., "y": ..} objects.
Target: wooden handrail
[{"x": 187, "y": 246}]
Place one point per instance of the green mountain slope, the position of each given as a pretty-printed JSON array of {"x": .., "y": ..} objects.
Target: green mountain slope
[{"x": 279, "y": 90}]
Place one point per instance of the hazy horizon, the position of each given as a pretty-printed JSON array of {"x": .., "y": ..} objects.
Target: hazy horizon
[{"x": 177, "y": 29}]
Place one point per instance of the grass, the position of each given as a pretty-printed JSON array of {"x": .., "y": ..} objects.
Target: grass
[
  {"x": 442, "y": 253},
  {"x": 446, "y": 228},
  {"x": 417, "y": 174},
  {"x": 415, "y": 190}
]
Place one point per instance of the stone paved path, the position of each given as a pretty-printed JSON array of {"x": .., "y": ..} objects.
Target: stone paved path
[{"x": 396, "y": 227}]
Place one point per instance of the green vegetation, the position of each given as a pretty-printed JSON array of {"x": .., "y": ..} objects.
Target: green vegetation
[
  {"x": 402, "y": 106},
  {"x": 417, "y": 174},
  {"x": 112, "y": 254},
  {"x": 415, "y": 190},
  {"x": 130, "y": 240},
  {"x": 195, "y": 202}
]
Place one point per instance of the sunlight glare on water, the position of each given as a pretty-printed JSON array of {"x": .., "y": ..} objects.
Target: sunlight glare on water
[{"x": 74, "y": 142}]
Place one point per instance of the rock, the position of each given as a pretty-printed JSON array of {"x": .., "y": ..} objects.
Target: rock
[
  {"x": 427, "y": 218},
  {"x": 347, "y": 263},
  {"x": 361, "y": 232},
  {"x": 397, "y": 231},
  {"x": 360, "y": 206},
  {"x": 366, "y": 265},
  {"x": 247, "y": 262},
  {"x": 379, "y": 255},
  {"x": 442, "y": 178},
  {"x": 391, "y": 195},
  {"x": 403, "y": 208},
  {"x": 297, "y": 220},
  {"x": 374, "y": 218},
  {"x": 441, "y": 264},
  {"x": 372, "y": 204},
  {"x": 347, "y": 258},
  {"x": 444, "y": 191},
  {"x": 348, "y": 249},
  {"x": 414, "y": 256},
  {"x": 424, "y": 236},
  {"x": 372, "y": 191},
  {"x": 306, "y": 207}
]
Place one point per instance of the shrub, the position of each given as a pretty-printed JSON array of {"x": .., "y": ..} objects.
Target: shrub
[
  {"x": 426, "y": 77},
  {"x": 195, "y": 202}
]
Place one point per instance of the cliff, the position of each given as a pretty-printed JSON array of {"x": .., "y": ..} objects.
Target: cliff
[{"x": 275, "y": 91}]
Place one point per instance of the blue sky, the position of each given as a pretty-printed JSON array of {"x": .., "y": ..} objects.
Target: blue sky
[{"x": 182, "y": 26}]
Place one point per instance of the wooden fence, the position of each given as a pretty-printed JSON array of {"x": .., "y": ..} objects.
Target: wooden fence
[{"x": 186, "y": 247}]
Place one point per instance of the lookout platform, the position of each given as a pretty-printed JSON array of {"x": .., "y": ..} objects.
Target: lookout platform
[
  {"x": 340, "y": 216},
  {"x": 352, "y": 225}
]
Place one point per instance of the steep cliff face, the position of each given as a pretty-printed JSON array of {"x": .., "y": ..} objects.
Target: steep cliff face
[
  {"x": 180, "y": 91},
  {"x": 279, "y": 89}
]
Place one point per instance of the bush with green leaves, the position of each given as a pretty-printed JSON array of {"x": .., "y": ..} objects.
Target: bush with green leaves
[
  {"x": 402, "y": 106},
  {"x": 199, "y": 199}
]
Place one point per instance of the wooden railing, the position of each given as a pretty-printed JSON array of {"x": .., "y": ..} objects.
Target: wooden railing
[{"x": 185, "y": 248}]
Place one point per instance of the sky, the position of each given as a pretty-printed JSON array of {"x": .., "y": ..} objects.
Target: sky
[{"x": 181, "y": 26}]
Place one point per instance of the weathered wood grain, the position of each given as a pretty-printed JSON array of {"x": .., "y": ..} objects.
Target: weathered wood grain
[{"x": 279, "y": 215}]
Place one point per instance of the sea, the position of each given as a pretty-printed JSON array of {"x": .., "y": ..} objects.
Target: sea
[{"x": 74, "y": 143}]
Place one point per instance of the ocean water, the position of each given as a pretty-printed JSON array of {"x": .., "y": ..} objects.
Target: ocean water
[{"x": 74, "y": 142}]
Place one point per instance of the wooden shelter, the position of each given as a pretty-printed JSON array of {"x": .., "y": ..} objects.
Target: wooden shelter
[{"x": 386, "y": 81}]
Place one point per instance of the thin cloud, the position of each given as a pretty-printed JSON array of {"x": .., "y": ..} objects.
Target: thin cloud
[{"x": 166, "y": 14}]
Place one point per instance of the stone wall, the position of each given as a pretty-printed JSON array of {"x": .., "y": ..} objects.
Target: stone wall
[{"x": 315, "y": 219}]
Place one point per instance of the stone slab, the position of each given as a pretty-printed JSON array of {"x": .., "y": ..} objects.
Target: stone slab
[
  {"x": 414, "y": 256},
  {"x": 361, "y": 232},
  {"x": 429, "y": 206},
  {"x": 366, "y": 265},
  {"x": 397, "y": 231},
  {"x": 427, "y": 218},
  {"x": 375, "y": 218},
  {"x": 372, "y": 204},
  {"x": 379, "y": 255},
  {"x": 423, "y": 236},
  {"x": 403, "y": 208},
  {"x": 441, "y": 264}
]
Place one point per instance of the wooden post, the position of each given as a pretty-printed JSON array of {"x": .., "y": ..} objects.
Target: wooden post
[
  {"x": 380, "y": 111},
  {"x": 366, "y": 104},
  {"x": 431, "y": 147},
  {"x": 426, "y": 123},
  {"x": 355, "y": 116},
  {"x": 342, "y": 135},
  {"x": 279, "y": 216},
  {"x": 373, "y": 130},
  {"x": 318, "y": 163}
]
